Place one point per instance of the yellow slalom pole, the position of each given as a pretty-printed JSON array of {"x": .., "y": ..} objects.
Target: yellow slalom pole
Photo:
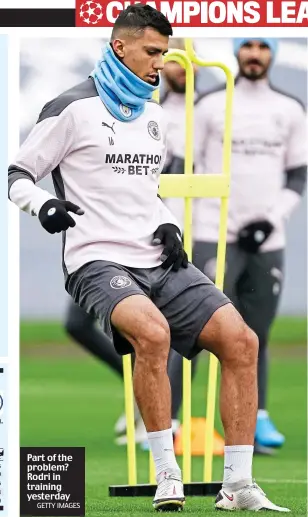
[
  {"x": 221, "y": 253},
  {"x": 152, "y": 478},
  {"x": 189, "y": 138},
  {"x": 181, "y": 57},
  {"x": 130, "y": 421}
]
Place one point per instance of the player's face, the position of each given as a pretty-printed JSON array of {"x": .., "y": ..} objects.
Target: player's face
[
  {"x": 175, "y": 76},
  {"x": 254, "y": 59},
  {"x": 143, "y": 53}
]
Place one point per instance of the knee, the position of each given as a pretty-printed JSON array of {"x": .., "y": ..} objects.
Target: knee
[
  {"x": 248, "y": 347},
  {"x": 252, "y": 344},
  {"x": 243, "y": 352},
  {"x": 153, "y": 344}
]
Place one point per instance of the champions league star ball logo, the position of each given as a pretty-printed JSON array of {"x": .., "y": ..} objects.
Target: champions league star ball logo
[{"x": 91, "y": 12}]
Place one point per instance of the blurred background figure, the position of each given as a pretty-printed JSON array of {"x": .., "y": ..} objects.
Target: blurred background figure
[
  {"x": 269, "y": 151},
  {"x": 268, "y": 178}
]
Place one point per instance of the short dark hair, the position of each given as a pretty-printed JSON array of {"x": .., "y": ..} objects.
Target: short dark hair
[{"x": 138, "y": 17}]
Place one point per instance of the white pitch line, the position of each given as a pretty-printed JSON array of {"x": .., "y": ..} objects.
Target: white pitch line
[{"x": 284, "y": 481}]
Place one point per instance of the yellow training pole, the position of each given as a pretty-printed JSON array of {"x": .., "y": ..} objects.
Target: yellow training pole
[
  {"x": 130, "y": 421},
  {"x": 152, "y": 478},
  {"x": 221, "y": 252},
  {"x": 181, "y": 57},
  {"x": 189, "y": 138}
]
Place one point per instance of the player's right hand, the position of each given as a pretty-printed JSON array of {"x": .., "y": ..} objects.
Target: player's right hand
[{"x": 54, "y": 216}]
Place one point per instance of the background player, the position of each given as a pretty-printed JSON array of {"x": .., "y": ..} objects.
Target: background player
[{"x": 268, "y": 178}]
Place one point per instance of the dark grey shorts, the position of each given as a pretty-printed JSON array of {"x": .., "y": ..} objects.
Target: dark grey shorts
[{"x": 186, "y": 298}]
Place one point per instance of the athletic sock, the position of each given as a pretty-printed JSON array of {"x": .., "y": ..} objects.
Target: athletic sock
[
  {"x": 161, "y": 444},
  {"x": 238, "y": 465}
]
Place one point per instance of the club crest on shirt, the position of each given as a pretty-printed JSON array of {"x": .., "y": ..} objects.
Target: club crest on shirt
[
  {"x": 119, "y": 282},
  {"x": 125, "y": 110},
  {"x": 153, "y": 130}
]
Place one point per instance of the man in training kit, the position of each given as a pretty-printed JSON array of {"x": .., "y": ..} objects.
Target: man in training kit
[
  {"x": 268, "y": 172},
  {"x": 82, "y": 327},
  {"x": 104, "y": 142},
  {"x": 268, "y": 177}
]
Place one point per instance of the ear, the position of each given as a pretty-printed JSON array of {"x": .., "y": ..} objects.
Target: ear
[{"x": 118, "y": 47}]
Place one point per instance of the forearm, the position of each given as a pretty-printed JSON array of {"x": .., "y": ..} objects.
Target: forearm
[{"x": 27, "y": 196}]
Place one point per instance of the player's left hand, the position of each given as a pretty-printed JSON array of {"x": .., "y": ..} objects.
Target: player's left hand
[
  {"x": 252, "y": 236},
  {"x": 173, "y": 252}
]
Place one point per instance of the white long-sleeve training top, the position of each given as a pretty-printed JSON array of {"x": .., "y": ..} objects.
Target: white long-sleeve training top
[
  {"x": 269, "y": 157},
  {"x": 109, "y": 168}
]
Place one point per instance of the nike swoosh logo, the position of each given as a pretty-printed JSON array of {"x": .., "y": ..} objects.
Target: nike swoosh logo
[{"x": 230, "y": 497}]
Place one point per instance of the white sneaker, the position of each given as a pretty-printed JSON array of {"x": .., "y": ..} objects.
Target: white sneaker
[
  {"x": 169, "y": 495},
  {"x": 250, "y": 497}
]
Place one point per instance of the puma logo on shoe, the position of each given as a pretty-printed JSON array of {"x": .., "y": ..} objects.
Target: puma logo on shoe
[{"x": 230, "y": 497}]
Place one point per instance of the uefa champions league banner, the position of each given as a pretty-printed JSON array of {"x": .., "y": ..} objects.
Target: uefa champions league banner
[
  {"x": 181, "y": 13},
  {"x": 40, "y": 477}
]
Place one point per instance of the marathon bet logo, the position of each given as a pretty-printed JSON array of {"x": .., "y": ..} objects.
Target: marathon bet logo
[
  {"x": 135, "y": 164},
  {"x": 119, "y": 282}
]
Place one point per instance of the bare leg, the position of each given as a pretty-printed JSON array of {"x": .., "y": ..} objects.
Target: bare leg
[
  {"x": 141, "y": 323},
  {"x": 236, "y": 346}
]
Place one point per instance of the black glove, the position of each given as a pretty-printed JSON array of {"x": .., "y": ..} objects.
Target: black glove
[
  {"x": 54, "y": 216},
  {"x": 253, "y": 235},
  {"x": 173, "y": 252}
]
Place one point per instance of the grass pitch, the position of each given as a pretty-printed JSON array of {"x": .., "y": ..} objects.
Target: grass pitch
[{"x": 70, "y": 399}]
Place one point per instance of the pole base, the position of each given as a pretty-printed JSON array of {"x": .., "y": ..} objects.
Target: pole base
[{"x": 147, "y": 490}]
